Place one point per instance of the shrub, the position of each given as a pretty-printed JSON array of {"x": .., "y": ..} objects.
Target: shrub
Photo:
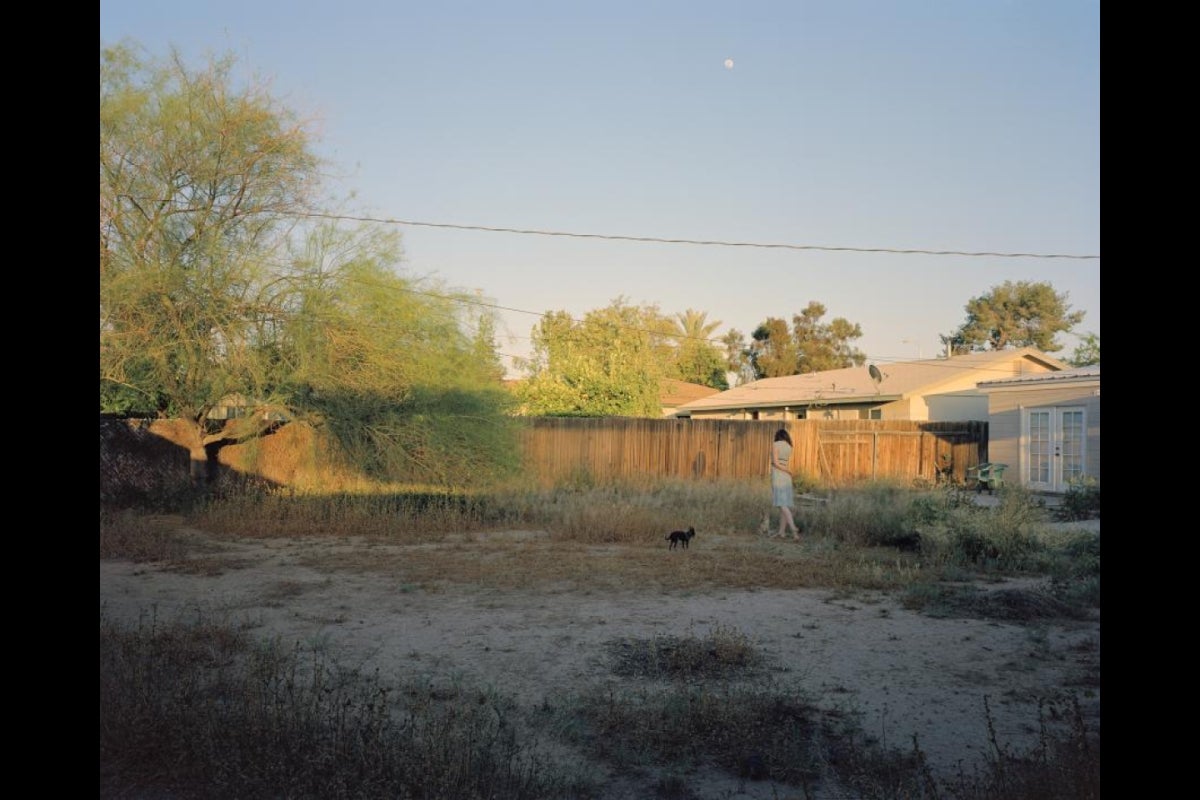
[
  {"x": 1081, "y": 501},
  {"x": 876, "y": 515}
]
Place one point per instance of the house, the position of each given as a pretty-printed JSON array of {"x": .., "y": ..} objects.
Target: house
[
  {"x": 1046, "y": 427},
  {"x": 674, "y": 393},
  {"x": 930, "y": 390}
]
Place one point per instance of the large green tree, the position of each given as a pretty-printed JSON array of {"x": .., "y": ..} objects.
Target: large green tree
[
  {"x": 610, "y": 363},
  {"x": 213, "y": 293},
  {"x": 200, "y": 185},
  {"x": 810, "y": 345},
  {"x": 1015, "y": 314}
]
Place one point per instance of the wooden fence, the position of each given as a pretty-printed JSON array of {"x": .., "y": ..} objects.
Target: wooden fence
[
  {"x": 831, "y": 452},
  {"x": 558, "y": 450}
]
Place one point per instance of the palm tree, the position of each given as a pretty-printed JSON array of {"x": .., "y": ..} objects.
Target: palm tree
[
  {"x": 695, "y": 325},
  {"x": 697, "y": 359}
]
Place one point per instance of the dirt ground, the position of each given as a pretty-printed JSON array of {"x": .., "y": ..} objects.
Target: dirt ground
[{"x": 902, "y": 671}]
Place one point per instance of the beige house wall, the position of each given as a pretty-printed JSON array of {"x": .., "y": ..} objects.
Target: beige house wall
[
  {"x": 956, "y": 407},
  {"x": 1005, "y": 411}
]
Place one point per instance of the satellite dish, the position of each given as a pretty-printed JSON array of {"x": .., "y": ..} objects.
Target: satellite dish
[{"x": 876, "y": 375}]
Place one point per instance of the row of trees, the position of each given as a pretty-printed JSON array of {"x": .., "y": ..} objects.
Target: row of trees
[
  {"x": 223, "y": 284},
  {"x": 613, "y": 360}
]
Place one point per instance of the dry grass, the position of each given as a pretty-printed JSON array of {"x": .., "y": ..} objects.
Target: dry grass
[
  {"x": 609, "y": 538},
  {"x": 141, "y": 537},
  {"x": 723, "y": 653},
  {"x": 200, "y": 710},
  {"x": 553, "y": 564}
]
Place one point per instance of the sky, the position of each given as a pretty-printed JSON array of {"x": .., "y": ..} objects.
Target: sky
[{"x": 835, "y": 127}]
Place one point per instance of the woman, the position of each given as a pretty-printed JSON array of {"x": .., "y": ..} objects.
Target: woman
[{"x": 781, "y": 483}]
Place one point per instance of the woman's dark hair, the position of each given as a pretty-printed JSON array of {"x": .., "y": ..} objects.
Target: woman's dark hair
[{"x": 782, "y": 435}]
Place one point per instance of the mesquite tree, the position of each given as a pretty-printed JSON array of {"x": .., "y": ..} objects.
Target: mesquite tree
[{"x": 217, "y": 289}]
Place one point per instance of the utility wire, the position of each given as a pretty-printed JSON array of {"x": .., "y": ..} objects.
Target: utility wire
[
  {"x": 929, "y": 362},
  {"x": 702, "y": 242}
]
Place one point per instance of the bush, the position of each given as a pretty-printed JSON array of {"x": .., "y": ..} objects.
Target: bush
[
  {"x": 1081, "y": 501},
  {"x": 876, "y": 515},
  {"x": 1078, "y": 582}
]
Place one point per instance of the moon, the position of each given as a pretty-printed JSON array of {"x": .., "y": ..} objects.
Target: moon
[{"x": 729, "y": 63}]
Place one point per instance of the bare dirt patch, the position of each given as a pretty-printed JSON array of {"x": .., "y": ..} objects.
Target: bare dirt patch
[{"x": 900, "y": 672}]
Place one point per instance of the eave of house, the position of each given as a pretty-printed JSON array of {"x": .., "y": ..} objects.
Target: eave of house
[{"x": 840, "y": 401}]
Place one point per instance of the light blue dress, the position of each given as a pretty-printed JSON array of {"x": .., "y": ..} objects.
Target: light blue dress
[{"x": 781, "y": 482}]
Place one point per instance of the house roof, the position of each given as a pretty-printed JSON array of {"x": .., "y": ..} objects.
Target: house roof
[
  {"x": 854, "y": 384},
  {"x": 674, "y": 393},
  {"x": 1065, "y": 375}
]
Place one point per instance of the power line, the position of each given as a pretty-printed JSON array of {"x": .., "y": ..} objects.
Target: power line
[
  {"x": 700, "y": 242},
  {"x": 929, "y": 362}
]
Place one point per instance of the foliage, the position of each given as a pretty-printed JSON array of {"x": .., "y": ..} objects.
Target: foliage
[
  {"x": 737, "y": 356},
  {"x": 386, "y": 365},
  {"x": 1077, "y": 580},
  {"x": 875, "y": 515},
  {"x": 810, "y": 345},
  {"x": 1087, "y": 352},
  {"x": 1080, "y": 501},
  {"x": 213, "y": 296},
  {"x": 199, "y": 186},
  {"x": 1015, "y": 314},
  {"x": 1001, "y": 539},
  {"x": 696, "y": 359},
  {"x": 610, "y": 363}
]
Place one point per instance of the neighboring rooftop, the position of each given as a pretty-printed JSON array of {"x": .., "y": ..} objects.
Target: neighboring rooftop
[
  {"x": 852, "y": 384},
  {"x": 676, "y": 393}
]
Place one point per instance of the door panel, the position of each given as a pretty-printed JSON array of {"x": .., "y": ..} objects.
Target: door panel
[
  {"x": 1055, "y": 442},
  {"x": 1039, "y": 450}
]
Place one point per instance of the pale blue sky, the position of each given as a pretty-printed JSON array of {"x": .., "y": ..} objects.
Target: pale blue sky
[{"x": 967, "y": 125}]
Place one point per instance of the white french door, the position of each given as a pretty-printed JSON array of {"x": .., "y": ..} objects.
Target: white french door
[{"x": 1054, "y": 447}]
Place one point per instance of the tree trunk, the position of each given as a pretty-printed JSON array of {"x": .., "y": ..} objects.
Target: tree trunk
[
  {"x": 202, "y": 457},
  {"x": 198, "y": 466}
]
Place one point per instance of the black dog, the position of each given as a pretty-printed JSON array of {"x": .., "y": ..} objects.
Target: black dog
[{"x": 680, "y": 537}]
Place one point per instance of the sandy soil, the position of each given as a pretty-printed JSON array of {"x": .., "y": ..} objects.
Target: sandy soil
[{"x": 904, "y": 672}]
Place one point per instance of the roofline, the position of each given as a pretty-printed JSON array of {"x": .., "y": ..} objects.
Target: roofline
[
  {"x": 841, "y": 401},
  {"x": 932, "y": 389},
  {"x": 1036, "y": 383}
]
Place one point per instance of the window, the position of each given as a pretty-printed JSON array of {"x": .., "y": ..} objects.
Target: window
[{"x": 870, "y": 413}]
